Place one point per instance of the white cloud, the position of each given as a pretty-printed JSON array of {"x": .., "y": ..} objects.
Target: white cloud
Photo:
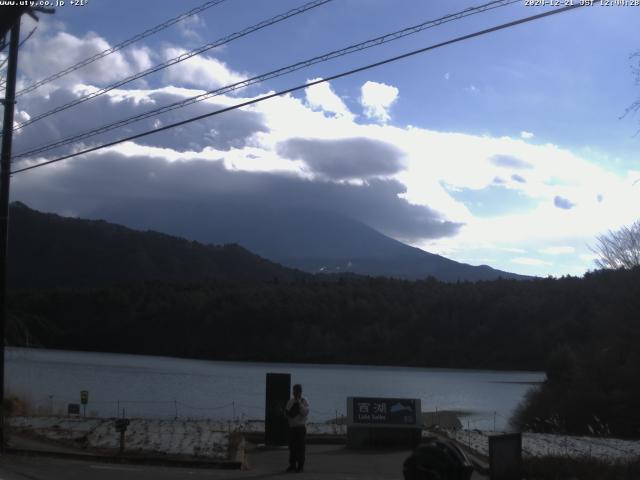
[
  {"x": 322, "y": 97},
  {"x": 560, "y": 250},
  {"x": 189, "y": 27},
  {"x": 534, "y": 262},
  {"x": 376, "y": 99},
  {"x": 513, "y": 249},
  {"x": 21, "y": 116},
  {"x": 447, "y": 76},
  {"x": 526, "y": 135},
  {"x": 141, "y": 58},
  {"x": 462, "y": 162},
  {"x": 589, "y": 257},
  {"x": 36, "y": 66},
  {"x": 199, "y": 71}
]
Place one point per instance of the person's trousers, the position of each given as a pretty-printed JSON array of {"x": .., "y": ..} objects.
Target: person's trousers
[{"x": 296, "y": 447}]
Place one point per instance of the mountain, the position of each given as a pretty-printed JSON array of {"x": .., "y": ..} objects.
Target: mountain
[
  {"x": 47, "y": 251},
  {"x": 309, "y": 240}
]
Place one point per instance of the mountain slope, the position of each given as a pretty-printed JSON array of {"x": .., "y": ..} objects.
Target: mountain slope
[
  {"x": 310, "y": 240},
  {"x": 47, "y": 250}
]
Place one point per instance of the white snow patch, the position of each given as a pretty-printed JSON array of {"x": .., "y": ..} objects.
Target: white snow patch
[
  {"x": 192, "y": 437},
  {"x": 541, "y": 445},
  {"x": 203, "y": 438}
]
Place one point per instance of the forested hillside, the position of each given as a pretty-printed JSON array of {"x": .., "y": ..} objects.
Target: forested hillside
[
  {"x": 50, "y": 251},
  {"x": 503, "y": 324}
]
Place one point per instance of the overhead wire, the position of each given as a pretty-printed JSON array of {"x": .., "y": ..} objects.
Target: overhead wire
[
  {"x": 125, "y": 43},
  {"x": 272, "y": 74},
  {"x": 307, "y": 85},
  {"x": 33, "y": 30},
  {"x": 180, "y": 58}
]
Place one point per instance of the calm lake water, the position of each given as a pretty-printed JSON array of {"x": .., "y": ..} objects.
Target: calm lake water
[{"x": 166, "y": 387}]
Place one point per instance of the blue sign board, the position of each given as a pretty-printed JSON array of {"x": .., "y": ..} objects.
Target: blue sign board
[{"x": 384, "y": 411}]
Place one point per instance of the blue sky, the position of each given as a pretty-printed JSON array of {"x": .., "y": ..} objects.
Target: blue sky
[{"x": 517, "y": 136}]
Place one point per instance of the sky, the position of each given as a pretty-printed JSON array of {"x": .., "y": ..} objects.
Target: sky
[{"x": 513, "y": 149}]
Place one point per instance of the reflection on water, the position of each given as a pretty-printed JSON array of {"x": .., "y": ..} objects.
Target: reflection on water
[{"x": 168, "y": 387}]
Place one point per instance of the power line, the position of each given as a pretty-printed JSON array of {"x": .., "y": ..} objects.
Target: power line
[
  {"x": 21, "y": 43},
  {"x": 307, "y": 85},
  {"x": 272, "y": 74},
  {"x": 33, "y": 30},
  {"x": 120, "y": 46},
  {"x": 178, "y": 59}
]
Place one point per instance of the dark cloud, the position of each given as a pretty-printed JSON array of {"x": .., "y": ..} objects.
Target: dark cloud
[
  {"x": 222, "y": 132},
  {"x": 84, "y": 186},
  {"x": 509, "y": 162},
  {"x": 518, "y": 178},
  {"x": 563, "y": 203},
  {"x": 345, "y": 158}
]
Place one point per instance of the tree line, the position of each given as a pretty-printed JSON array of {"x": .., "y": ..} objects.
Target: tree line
[{"x": 583, "y": 332}]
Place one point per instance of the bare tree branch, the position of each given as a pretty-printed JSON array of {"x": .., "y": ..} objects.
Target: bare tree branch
[
  {"x": 620, "y": 248},
  {"x": 635, "y": 69}
]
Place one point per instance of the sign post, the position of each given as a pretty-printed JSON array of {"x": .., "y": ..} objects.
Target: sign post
[
  {"x": 121, "y": 426},
  {"x": 84, "y": 399}
]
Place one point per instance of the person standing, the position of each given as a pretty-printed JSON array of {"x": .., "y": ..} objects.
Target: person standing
[{"x": 297, "y": 410}]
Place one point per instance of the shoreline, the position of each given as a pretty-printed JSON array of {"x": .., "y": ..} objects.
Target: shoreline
[{"x": 291, "y": 363}]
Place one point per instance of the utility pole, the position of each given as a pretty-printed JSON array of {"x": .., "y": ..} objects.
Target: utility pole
[
  {"x": 5, "y": 174},
  {"x": 10, "y": 20}
]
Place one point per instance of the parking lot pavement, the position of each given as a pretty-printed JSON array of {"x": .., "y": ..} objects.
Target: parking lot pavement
[{"x": 323, "y": 462}]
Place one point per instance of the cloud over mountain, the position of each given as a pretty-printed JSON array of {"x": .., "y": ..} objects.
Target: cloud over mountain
[
  {"x": 82, "y": 186},
  {"x": 347, "y": 158}
]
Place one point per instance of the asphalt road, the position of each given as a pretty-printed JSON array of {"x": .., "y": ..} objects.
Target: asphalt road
[{"x": 323, "y": 462}]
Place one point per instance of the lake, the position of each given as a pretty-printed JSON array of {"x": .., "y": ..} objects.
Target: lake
[{"x": 164, "y": 387}]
